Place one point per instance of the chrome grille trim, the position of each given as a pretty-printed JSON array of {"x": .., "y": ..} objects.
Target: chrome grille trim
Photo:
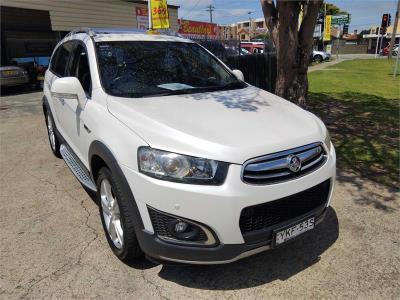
[{"x": 273, "y": 168}]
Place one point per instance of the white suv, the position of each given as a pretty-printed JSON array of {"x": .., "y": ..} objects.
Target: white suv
[{"x": 190, "y": 164}]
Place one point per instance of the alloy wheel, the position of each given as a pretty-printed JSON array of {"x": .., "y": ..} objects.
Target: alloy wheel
[{"x": 111, "y": 214}]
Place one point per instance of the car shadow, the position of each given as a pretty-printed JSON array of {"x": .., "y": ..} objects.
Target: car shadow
[
  {"x": 365, "y": 130},
  {"x": 277, "y": 264},
  {"x": 246, "y": 100}
]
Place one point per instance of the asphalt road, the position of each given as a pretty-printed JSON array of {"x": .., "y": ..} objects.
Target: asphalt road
[{"x": 52, "y": 244}]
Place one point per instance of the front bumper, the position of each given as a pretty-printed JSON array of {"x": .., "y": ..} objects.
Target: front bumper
[
  {"x": 162, "y": 251},
  {"x": 218, "y": 207}
]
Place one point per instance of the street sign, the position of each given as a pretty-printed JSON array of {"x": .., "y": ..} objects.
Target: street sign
[
  {"x": 159, "y": 14},
  {"x": 317, "y": 31},
  {"x": 327, "y": 28},
  {"x": 142, "y": 17},
  {"x": 196, "y": 29},
  {"x": 340, "y": 19},
  {"x": 328, "y": 49}
]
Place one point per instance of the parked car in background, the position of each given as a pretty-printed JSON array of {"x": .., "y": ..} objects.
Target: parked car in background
[
  {"x": 190, "y": 164},
  {"x": 395, "y": 50},
  {"x": 36, "y": 67},
  {"x": 253, "y": 47},
  {"x": 13, "y": 76},
  {"x": 320, "y": 56}
]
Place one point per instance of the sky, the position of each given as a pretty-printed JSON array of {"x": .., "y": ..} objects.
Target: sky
[{"x": 364, "y": 13}]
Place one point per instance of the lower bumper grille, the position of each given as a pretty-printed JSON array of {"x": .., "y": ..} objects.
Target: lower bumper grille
[
  {"x": 161, "y": 224},
  {"x": 262, "y": 216}
]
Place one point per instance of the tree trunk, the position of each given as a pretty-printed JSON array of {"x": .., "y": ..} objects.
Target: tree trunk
[{"x": 293, "y": 44}]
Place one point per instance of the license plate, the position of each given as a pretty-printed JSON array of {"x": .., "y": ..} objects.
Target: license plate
[
  {"x": 10, "y": 73},
  {"x": 289, "y": 233}
]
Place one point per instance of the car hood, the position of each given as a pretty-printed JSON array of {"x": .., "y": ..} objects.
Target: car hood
[{"x": 231, "y": 126}]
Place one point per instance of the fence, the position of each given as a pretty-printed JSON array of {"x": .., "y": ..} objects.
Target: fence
[
  {"x": 258, "y": 69},
  {"x": 349, "y": 47}
]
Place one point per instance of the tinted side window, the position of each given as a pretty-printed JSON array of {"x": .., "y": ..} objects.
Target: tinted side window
[
  {"x": 60, "y": 59},
  {"x": 80, "y": 68}
]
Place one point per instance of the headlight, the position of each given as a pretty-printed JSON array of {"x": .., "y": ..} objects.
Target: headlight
[
  {"x": 180, "y": 168},
  {"x": 328, "y": 140}
]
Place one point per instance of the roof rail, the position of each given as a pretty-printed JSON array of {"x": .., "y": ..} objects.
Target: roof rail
[
  {"x": 92, "y": 32},
  {"x": 86, "y": 30}
]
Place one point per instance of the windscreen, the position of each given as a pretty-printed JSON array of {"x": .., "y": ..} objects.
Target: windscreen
[{"x": 147, "y": 68}]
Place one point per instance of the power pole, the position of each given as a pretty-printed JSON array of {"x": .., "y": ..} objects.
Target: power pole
[
  {"x": 323, "y": 33},
  {"x": 377, "y": 41},
  {"x": 394, "y": 31},
  {"x": 249, "y": 13},
  {"x": 210, "y": 9}
]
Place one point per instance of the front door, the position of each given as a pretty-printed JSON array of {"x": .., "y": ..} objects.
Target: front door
[
  {"x": 73, "y": 116},
  {"x": 59, "y": 68}
]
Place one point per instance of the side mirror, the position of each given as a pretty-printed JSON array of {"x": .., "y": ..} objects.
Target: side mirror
[
  {"x": 238, "y": 74},
  {"x": 70, "y": 87}
]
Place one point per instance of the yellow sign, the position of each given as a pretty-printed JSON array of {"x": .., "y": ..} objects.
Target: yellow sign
[
  {"x": 327, "y": 28},
  {"x": 159, "y": 14}
]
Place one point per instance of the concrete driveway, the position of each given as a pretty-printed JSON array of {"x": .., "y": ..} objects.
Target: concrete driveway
[{"x": 53, "y": 246}]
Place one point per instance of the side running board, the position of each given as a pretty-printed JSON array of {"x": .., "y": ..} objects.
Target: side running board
[{"x": 77, "y": 168}]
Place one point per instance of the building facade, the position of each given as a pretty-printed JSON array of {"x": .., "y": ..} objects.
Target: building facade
[
  {"x": 244, "y": 30},
  {"x": 33, "y": 27},
  {"x": 373, "y": 35}
]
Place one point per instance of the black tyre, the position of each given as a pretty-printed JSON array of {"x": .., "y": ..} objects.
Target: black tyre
[
  {"x": 51, "y": 133},
  {"x": 318, "y": 58},
  {"x": 117, "y": 216}
]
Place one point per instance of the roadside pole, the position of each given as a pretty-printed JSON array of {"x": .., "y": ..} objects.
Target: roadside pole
[
  {"x": 323, "y": 34},
  {"x": 377, "y": 41},
  {"x": 149, "y": 9},
  {"x": 337, "y": 42},
  {"x": 380, "y": 44},
  {"x": 396, "y": 65},
  {"x": 394, "y": 32}
]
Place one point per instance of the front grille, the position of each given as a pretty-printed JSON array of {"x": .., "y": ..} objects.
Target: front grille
[
  {"x": 268, "y": 214},
  {"x": 274, "y": 168},
  {"x": 161, "y": 223}
]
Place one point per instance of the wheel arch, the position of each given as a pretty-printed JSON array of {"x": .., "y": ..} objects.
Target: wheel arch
[
  {"x": 101, "y": 156},
  {"x": 45, "y": 104}
]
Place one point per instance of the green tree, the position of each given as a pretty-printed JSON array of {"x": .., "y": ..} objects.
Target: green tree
[
  {"x": 293, "y": 42},
  {"x": 332, "y": 9}
]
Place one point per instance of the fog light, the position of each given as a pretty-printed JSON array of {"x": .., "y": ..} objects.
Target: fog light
[
  {"x": 183, "y": 230},
  {"x": 181, "y": 227}
]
